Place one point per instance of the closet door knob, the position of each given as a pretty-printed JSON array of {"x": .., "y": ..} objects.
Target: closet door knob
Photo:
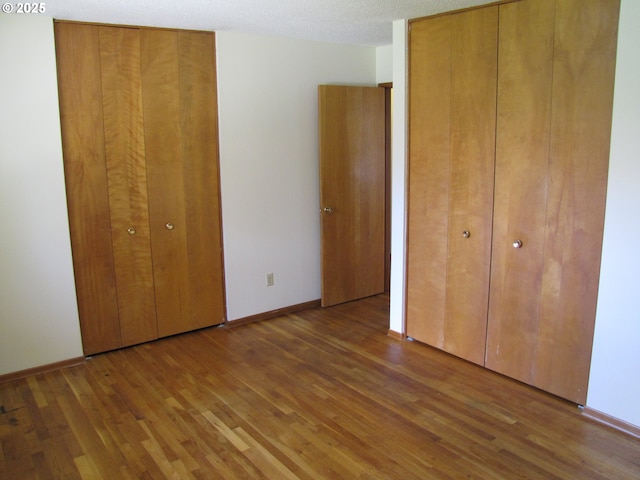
[
  {"x": 517, "y": 244},
  {"x": 466, "y": 234},
  {"x": 327, "y": 210},
  {"x": 169, "y": 226},
  {"x": 131, "y": 230}
]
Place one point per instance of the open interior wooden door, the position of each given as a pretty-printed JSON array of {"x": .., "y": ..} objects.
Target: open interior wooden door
[{"x": 352, "y": 191}]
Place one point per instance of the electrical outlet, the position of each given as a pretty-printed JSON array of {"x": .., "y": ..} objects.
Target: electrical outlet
[{"x": 270, "y": 281}]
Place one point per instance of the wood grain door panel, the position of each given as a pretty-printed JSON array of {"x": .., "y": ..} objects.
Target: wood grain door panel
[
  {"x": 352, "y": 182},
  {"x": 473, "y": 119},
  {"x": 452, "y": 148},
  {"x": 199, "y": 124},
  {"x": 522, "y": 166},
  {"x": 584, "y": 66},
  {"x": 429, "y": 178},
  {"x": 181, "y": 150},
  {"x": 163, "y": 140},
  {"x": 555, "y": 98},
  {"x": 86, "y": 182},
  {"x": 127, "y": 182}
]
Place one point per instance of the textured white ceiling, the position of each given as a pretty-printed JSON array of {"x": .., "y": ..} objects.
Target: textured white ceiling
[{"x": 359, "y": 22}]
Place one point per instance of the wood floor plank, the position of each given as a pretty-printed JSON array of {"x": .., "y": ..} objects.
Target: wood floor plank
[{"x": 319, "y": 394}]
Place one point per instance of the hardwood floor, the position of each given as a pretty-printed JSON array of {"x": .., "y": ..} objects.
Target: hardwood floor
[{"x": 323, "y": 393}]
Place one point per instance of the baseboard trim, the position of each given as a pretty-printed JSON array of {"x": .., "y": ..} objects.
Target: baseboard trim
[
  {"x": 72, "y": 362},
  {"x": 396, "y": 335},
  {"x": 272, "y": 314},
  {"x": 613, "y": 422}
]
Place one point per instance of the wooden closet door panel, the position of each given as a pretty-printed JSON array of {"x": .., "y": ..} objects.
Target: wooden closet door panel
[
  {"x": 78, "y": 63},
  {"x": 522, "y": 152},
  {"x": 127, "y": 182},
  {"x": 199, "y": 126},
  {"x": 178, "y": 77},
  {"x": 584, "y": 64},
  {"x": 452, "y": 147},
  {"x": 472, "y": 149},
  {"x": 429, "y": 171},
  {"x": 165, "y": 176}
]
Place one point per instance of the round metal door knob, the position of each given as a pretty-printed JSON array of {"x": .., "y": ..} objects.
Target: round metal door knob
[
  {"x": 466, "y": 233},
  {"x": 131, "y": 230},
  {"x": 517, "y": 244},
  {"x": 327, "y": 210},
  {"x": 169, "y": 226}
]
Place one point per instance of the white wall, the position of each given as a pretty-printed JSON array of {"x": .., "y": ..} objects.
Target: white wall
[
  {"x": 398, "y": 176},
  {"x": 269, "y": 162},
  {"x": 614, "y": 385},
  {"x": 384, "y": 64},
  {"x": 38, "y": 311}
]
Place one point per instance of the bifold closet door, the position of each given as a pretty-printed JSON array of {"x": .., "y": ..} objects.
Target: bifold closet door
[
  {"x": 103, "y": 143},
  {"x": 140, "y": 144},
  {"x": 80, "y": 96},
  {"x": 522, "y": 169},
  {"x": 452, "y": 104},
  {"x": 554, "y": 120},
  {"x": 181, "y": 142},
  {"x": 127, "y": 181}
]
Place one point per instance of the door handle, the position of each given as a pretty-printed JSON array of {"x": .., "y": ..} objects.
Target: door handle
[{"x": 327, "y": 210}]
